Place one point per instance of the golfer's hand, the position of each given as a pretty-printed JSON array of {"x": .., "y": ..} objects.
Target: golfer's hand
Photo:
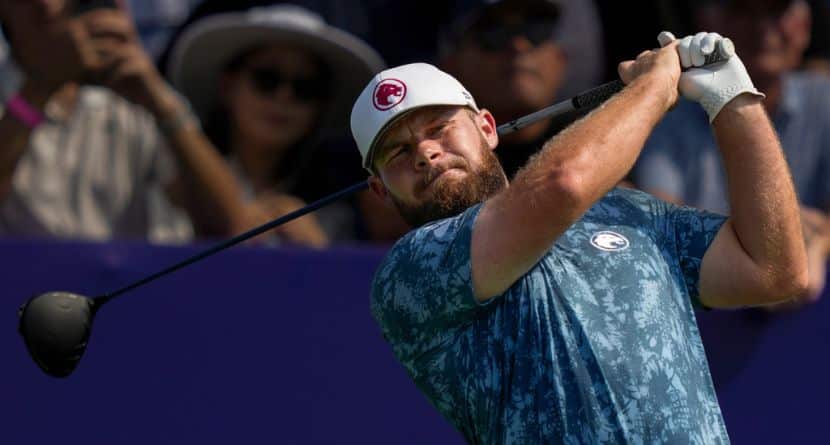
[
  {"x": 713, "y": 86},
  {"x": 659, "y": 67}
]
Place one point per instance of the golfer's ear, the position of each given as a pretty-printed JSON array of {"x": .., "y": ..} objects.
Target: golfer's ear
[
  {"x": 377, "y": 187},
  {"x": 487, "y": 125}
]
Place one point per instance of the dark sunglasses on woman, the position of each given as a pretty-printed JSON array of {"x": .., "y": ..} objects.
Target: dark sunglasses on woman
[
  {"x": 306, "y": 89},
  {"x": 499, "y": 37}
]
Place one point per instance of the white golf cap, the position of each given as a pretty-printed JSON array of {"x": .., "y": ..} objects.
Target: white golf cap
[{"x": 393, "y": 93}]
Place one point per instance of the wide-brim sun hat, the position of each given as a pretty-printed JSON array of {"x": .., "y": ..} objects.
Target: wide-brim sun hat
[{"x": 204, "y": 50}]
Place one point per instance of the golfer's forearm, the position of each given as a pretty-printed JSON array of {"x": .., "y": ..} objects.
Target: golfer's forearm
[
  {"x": 573, "y": 170},
  {"x": 595, "y": 153},
  {"x": 765, "y": 211}
]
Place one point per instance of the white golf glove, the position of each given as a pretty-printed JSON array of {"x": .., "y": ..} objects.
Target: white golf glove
[{"x": 711, "y": 86}]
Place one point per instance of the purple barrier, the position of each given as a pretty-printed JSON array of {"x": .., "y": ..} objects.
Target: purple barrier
[
  {"x": 250, "y": 346},
  {"x": 771, "y": 372},
  {"x": 277, "y": 346}
]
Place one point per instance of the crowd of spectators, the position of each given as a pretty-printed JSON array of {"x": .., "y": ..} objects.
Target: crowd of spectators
[
  {"x": 177, "y": 120},
  {"x": 681, "y": 163}
]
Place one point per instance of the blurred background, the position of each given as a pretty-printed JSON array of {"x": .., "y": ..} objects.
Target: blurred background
[{"x": 133, "y": 133}]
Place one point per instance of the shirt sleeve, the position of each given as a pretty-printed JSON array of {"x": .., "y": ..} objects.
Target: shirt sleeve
[
  {"x": 692, "y": 232},
  {"x": 423, "y": 289}
]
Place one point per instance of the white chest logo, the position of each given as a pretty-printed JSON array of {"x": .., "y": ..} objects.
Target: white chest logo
[{"x": 609, "y": 241}]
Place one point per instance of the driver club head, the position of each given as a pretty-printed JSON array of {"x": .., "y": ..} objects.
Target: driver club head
[{"x": 55, "y": 327}]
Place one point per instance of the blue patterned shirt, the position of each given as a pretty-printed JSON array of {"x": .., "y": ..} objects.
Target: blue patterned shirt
[{"x": 596, "y": 344}]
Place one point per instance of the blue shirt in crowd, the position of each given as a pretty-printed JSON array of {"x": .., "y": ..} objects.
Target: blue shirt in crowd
[
  {"x": 681, "y": 157},
  {"x": 596, "y": 344}
]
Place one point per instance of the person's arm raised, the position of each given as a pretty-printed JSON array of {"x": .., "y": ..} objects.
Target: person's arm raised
[
  {"x": 205, "y": 185},
  {"x": 574, "y": 169}
]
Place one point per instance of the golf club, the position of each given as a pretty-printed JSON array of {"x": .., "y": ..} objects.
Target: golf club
[{"x": 56, "y": 325}]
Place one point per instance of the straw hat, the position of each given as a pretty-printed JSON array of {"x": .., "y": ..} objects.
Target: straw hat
[{"x": 204, "y": 50}]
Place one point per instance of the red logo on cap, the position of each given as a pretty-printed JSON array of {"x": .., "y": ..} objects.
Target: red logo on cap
[{"x": 389, "y": 93}]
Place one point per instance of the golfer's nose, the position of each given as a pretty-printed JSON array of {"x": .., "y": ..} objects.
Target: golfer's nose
[{"x": 427, "y": 153}]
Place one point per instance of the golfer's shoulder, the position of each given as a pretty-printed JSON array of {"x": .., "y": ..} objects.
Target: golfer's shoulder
[
  {"x": 430, "y": 246},
  {"x": 628, "y": 203},
  {"x": 433, "y": 239}
]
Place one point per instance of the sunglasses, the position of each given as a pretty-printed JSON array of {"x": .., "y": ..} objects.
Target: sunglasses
[
  {"x": 306, "y": 89},
  {"x": 500, "y": 37}
]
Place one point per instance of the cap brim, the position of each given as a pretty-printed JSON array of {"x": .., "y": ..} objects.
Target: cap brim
[{"x": 370, "y": 155}]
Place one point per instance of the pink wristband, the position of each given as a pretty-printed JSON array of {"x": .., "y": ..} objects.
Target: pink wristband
[{"x": 24, "y": 112}]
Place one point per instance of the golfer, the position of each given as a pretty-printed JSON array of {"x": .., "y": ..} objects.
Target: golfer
[{"x": 555, "y": 308}]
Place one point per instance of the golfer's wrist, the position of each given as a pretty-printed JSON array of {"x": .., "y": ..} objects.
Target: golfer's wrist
[
  {"x": 741, "y": 106},
  {"x": 659, "y": 86}
]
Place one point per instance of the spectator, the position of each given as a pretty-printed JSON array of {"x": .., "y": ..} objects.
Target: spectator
[
  {"x": 352, "y": 16},
  {"x": 512, "y": 44},
  {"x": 680, "y": 162},
  {"x": 397, "y": 30},
  {"x": 272, "y": 85},
  {"x": 509, "y": 43},
  {"x": 80, "y": 160},
  {"x": 581, "y": 36},
  {"x": 8, "y": 75}
]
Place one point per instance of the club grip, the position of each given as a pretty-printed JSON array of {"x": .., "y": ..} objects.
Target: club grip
[
  {"x": 724, "y": 49},
  {"x": 596, "y": 96}
]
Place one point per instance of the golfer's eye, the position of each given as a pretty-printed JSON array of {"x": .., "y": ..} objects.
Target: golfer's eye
[
  {"x": 396, "y": 152},
  {"x": 438, "y": 129}
]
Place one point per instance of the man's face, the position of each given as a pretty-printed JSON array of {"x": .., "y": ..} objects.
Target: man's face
[
  {"x": 770, "y": 41},
  {"x": 436, "y": 162},
  {"x": 510, "y": 63}
]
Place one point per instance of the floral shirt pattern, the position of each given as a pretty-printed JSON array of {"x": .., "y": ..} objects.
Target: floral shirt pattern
[{"x": 596, "y": 344}]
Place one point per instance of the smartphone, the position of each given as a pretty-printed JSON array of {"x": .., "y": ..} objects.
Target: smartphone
[{"x": 82, "y": 6}]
